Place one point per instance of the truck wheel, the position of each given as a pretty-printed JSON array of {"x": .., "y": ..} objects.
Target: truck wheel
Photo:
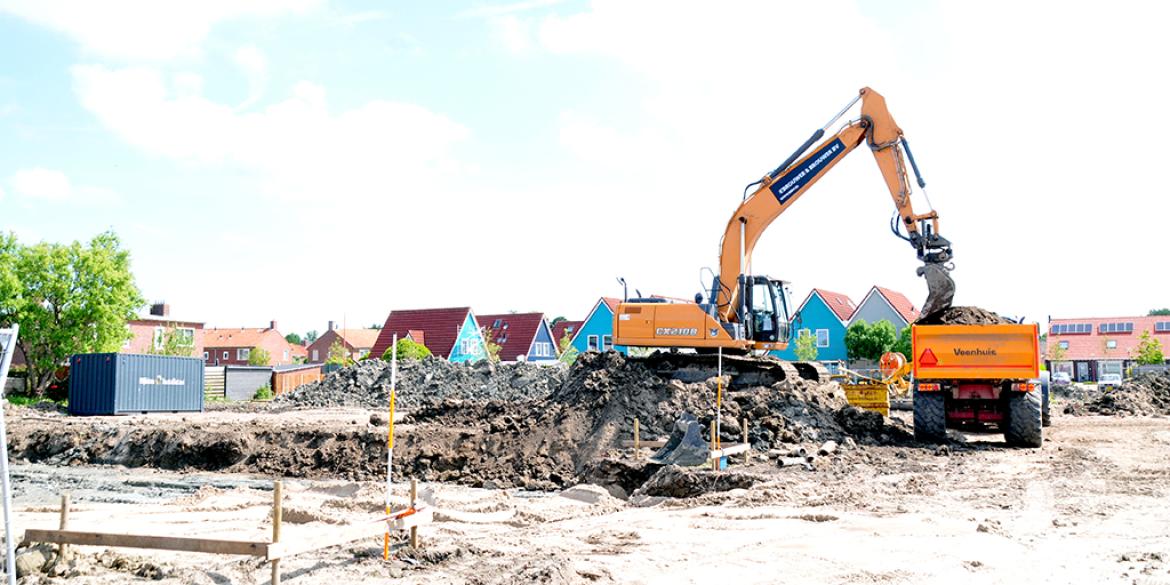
[
  {"x": 1046, "y": 418},
  {"x": 1024, "y": 419},
  {"x": 930, "y": 417}
]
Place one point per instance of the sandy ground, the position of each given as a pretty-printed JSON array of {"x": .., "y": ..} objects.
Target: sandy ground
[{"x": 1089, "y": 507}]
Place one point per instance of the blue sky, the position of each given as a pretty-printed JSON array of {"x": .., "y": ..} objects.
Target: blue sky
[{"x": 307, "y": 160}]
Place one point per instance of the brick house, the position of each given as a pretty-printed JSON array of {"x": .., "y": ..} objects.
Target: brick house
[
  {"x": 357, "y": 342},
  {"x": 233, "y": 347},
  {"x": 150, "y": 330},
  {"x": 521, "y": 336},
  {"x": 1087, "y": 348},
  {"x": 452, "y": 334}
]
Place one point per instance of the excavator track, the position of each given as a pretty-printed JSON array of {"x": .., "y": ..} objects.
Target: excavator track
[{"x": 745, "y": 371}]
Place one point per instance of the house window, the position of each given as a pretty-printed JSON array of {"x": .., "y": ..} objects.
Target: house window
[
  {"x": 822, "y": 338},
  {"x": 804, "y": 333},
  {"x": 159, "y": 333},
  {"x": 185, "y": 337},
  {"x": 243, "y": 353},
  {"x": 1072, "y": 328},
  {"x": 1162, "y": 327},
  {"x": 591, "y": 343},
  {"x": 315, "y": 354},
  {"x": 1064, "y": 345},
  {"x": 606, "y": 342},
  {"x": 225, "y": 355},
  {"x": 1111, "y": 344},
  {"x": 286, "y": 355},
  {"x": 206, "y": 356},
  {"x": 543, "y": 349}
]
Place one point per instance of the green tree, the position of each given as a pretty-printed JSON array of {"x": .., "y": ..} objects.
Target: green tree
[
  {"x": 67, "y": 298},
  {"x": 1149, "y": 350},
  {"x": 294, "y": 338},
  {"x": 1056, "y": 353},
  {"x": 869, "y": 342},
  {"x": 904, "y": 343},
  {"x": 377, "y": 326},
  {"x": 338, "y": 354},
  {"x": 806, "y": 346},
  {"x": 311, "y": 336},
  {"x": 258, "y": 356},
  {"x": 408, "y": 349},
  {"x": 176, "y": 341},
  {"x": 1158, "y": 312},
  {"x": 263, "y": 393},
  {"x": 565, "y": 343}
]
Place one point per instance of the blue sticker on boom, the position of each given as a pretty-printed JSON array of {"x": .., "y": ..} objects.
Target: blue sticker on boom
[{"x": 795, "y": 180}]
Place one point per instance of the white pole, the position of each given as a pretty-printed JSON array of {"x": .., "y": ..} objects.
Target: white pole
[
  {"x": 7, "y": 348},
  {"x": 390, "y": 441},
  {"x": 719, "y": 401}
]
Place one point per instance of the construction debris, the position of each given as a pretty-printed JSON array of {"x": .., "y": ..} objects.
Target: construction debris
[
  {"x": 1145, "y": 395},
  {"x": 428, "y": 381}
]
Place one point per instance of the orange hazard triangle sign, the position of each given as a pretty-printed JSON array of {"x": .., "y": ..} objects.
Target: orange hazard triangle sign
[{"x": 927, "y": 358}]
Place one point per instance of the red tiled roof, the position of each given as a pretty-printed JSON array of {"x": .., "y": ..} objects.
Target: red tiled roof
[
  {"x": 558, "y": 330},
  {"x": 612, "y": 303},
  {"x": 1093, "y": 346},
  {"x": 515, "y": 332},
  {"x": 418, "y": 336},
  {"x": 900, "y": 303},
  {"x": 840, "y": 304},
  {"x": 233, "y": 337},
  {"x": 359, "y": 338},
  {"x": 440, "y": 326}
]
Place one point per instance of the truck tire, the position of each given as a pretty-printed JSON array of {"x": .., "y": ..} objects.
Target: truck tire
[
  {"x": 1025, "y": 419},
  {"x": 1046, "y": 418},
  {"x": 930, "y": 417}
]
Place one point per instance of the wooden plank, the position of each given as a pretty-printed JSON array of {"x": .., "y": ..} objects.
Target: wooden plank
[
  {"x": 179, "y": 543},
  {"x": 370, "y": 529}
]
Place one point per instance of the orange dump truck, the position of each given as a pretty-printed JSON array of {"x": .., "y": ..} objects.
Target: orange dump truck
[{"x": 978, "y": 376}]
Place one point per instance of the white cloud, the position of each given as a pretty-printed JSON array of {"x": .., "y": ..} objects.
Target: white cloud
[
  {"x": 1017, "y": 124},
  {"x": 1, "y": 193},
  {"x": 355, "y": 18},
  {"x": 299, "y": 148},
  {"x": 51, "y": 185},
  {"x": 254, "y": 64},
  {"x": 515, "y": 34},
  {"x": 492, "y": 10},
  {"x": 144, "y": 29}
]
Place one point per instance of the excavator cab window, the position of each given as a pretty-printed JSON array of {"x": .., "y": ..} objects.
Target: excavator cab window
[{"x": 765, "y": 316}]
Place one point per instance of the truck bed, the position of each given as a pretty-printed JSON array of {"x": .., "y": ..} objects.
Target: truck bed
[{"x": 985, "y": 352}]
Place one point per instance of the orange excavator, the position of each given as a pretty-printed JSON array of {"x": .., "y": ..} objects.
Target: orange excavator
[{"x": 743, "y": 311}]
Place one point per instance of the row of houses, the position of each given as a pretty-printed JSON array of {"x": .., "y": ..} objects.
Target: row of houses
[
  {"x": 826, "y": 315},
  {"x": 1088, "y": 348},
  {"x": 456, "y": 334}
]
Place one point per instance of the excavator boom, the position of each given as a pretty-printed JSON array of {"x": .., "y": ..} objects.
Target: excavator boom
[{"x": 744, "y": 311}]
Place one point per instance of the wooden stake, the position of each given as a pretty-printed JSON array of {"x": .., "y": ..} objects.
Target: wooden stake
[
  {"x": 743, "y": 425},
  {"x": 276, "y": 517},
  {"x": 413, "y": 501},
  {"x": 64, "y": 550},
  {"x": 637, "y": 438}
]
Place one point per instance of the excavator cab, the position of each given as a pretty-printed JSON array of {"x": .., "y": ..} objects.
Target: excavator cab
[{"x": 765, "y": 311}]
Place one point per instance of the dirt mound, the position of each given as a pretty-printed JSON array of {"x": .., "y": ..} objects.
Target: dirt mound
[
  {"x": 558, "y": 441},
  {"x": 428, "y": 381},
  {"x": 1145, "y": 395},
  {"x": 962, "y": 316}
]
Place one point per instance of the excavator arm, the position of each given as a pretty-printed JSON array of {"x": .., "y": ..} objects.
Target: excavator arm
[{"x": 778, "y": 190}]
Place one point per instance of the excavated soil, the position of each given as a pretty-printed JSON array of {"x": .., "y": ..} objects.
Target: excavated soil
[
  {"x": 571, "y": 435},
  {"x": 962, "y": 316},
  {"x": 366, "y": 384},
  {"x": 1144, "y": 395}
]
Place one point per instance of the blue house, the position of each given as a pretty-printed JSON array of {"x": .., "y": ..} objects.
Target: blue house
[
  {"x": 596, "y": 332},
  {"x": 523, "y": 337},
  {"x": 452, "y": 333},
  {"x": 824, "y": 315}
]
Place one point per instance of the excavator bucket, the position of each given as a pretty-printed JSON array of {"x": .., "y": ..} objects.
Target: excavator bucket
[
  {"x": 939, "y": 285},
  {"x": 686, "y": 446}
]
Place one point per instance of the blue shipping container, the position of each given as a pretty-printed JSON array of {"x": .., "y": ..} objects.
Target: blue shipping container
[{"x": 122, "y": 383}]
